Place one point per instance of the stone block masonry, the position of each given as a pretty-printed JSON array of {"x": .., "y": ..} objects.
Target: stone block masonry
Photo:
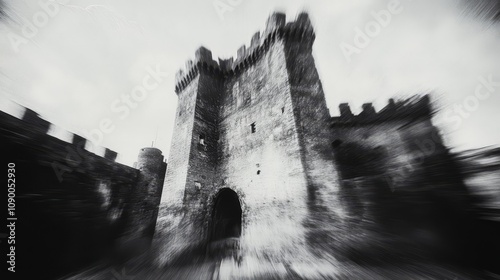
[{"x": 256, "y": 125}]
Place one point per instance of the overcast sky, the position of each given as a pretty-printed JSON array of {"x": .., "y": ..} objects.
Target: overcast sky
[{"x": 74, "y": 61}]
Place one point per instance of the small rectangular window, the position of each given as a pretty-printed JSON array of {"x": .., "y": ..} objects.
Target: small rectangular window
[
  {"x": 197, "y": 185},
  {"x": 252, "y": 126}
]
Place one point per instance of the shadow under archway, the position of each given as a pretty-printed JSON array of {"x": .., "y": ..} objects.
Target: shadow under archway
[{"x": 226, "y": 216}]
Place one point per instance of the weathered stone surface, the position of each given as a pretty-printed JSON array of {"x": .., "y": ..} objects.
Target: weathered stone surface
[{"x": 261, "y": 130}]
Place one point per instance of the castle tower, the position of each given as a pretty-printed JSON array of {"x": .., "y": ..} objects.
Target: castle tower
[
  {"x": 251, "y": 147},
  {"x": 152, "y": 174},
  {"x": 146, "y": 196},
  {"x": 193, "y": 156}
]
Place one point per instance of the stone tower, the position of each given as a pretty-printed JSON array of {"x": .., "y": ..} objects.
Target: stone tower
[
  {"x": 251, "y": 148},
  {"x": 152, "y": 173},
  {"x": 145, "y": 198}
]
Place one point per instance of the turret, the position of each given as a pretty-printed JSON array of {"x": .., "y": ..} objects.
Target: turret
[
  {"x": 276, "y": 29},
  {"x": 146, "y": 197},
  {"x": 150, "y": 160}
]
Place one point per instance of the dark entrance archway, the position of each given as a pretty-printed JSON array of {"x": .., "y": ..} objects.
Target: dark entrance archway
[{"x": 226, "y": 216}]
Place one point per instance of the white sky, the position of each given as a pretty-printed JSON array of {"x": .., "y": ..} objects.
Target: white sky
[{"x": 83, "y": 58}]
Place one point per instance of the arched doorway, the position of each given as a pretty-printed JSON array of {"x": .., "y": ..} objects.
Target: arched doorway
[{"x": 226, "y": 216}]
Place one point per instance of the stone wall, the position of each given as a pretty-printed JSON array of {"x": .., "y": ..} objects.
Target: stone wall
[
  {"x": 74, "y": 208},
  {"x": 261, "y": 157},
  {"x": 402, "y": 181},
  {"x": 326, "y": 210}
]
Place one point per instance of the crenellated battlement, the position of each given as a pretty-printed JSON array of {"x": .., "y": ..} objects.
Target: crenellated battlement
[
  {"x": 276, "y": 29},
  {"x": 418, "y": 106},
  {"x": 36, "y": 126},
  {"x": 75, "y": 190}
]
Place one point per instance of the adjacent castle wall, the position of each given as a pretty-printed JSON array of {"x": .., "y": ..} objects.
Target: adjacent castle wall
[
  {"x": 402, "y": 134},
  {"x": 74, "y": 208},
  {"x": 401, "y": 179}
]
